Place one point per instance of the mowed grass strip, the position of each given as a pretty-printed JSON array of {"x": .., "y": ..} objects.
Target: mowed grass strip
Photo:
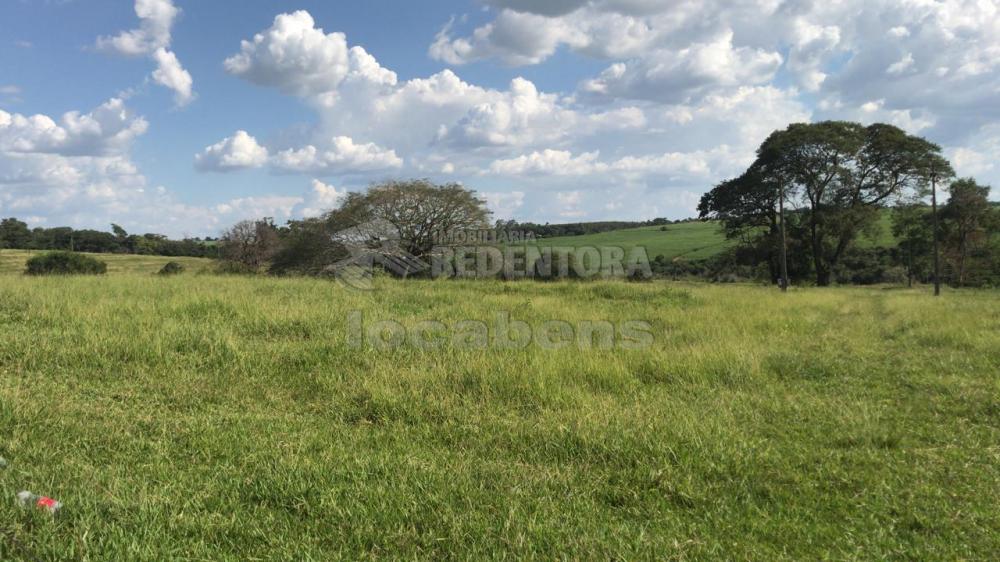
[
  {"x": 205, "y": 417},
  {"x": 12, "y": 262}
]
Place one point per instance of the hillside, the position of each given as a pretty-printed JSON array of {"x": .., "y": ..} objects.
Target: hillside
[
  {"x": 691, "y": 240},
  {"x": 12, "y": 262},
  {"x": 694, "y": 240}
]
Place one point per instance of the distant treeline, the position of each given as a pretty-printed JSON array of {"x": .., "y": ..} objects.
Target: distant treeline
[
  {"x": 15, "y": 234},
  {"x": 577, "y": 228}
]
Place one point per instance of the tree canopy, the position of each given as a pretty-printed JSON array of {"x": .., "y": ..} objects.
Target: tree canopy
[{"x": 835, "y": 174}]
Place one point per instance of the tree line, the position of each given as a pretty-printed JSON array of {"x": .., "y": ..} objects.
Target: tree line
[
  {"x": 575, "y": 229},
  {"x": 815, "y": 189},
  {"x": 15, "y": 234}
]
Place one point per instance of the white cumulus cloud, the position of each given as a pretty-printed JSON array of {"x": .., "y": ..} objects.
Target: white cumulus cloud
[
  {"x": 342, "y": 156},
  {"x": 237, "y": 152},
  {"x": 152, "y": 39},
  {"x": 107, "y": 130}
]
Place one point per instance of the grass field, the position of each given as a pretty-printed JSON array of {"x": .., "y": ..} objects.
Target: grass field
[
  {"x": 12, "y": 262},
  {"x": 203, "y": 417}
]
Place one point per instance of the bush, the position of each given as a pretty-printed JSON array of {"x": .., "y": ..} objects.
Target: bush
[
  {"x": 172, "y": 268},
  {"x": 227, "y": 267},
  {"x": 65, "y": 263}
]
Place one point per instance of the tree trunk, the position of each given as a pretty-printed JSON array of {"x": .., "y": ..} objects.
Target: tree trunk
[
  {"x": 937, "y": 257},
  {"x": 909, "y": 266},
  {"x": 961, "y": 262},
  {"x": 784, "y": 243},
  {"x": 822, "y": 275}
]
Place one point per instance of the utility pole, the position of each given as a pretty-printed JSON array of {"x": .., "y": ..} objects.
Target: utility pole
[
  {"x": 937, "y": 257},
  {"x": 784, "y": 244}
]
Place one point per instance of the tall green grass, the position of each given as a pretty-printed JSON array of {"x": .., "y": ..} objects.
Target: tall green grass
[{"x": 203, "y": 417}]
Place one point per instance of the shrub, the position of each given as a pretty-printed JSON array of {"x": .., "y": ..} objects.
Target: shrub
[
  {"x": 228, "y": 267},
  {"x": 65, "y": 263},
  {"x": 172, "y": 268}
]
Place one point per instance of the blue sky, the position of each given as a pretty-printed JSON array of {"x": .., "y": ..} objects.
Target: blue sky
[{"x": 555, "y": 110}]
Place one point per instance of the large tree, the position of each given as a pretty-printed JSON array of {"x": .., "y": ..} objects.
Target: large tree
[
  {"x": 250, "y": 243},
  {"x": 968, "y": 219},
  {"x": 911, "y": 226},
  {"x": 837, "y": 173},
  {"x": 14, "y": 234},
  {"x": 412, "y": 212},
  {"x": 395, "y": 219}
]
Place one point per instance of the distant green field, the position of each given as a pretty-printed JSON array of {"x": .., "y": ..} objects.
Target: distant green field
[
  {"x": 692, "y": 240},
  {"x": 880, "y": 235},
  {"x": 695, "y": 240},
  {"x": 12, "y": 262}
]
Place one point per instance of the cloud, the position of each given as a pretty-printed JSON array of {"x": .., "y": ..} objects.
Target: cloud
[
  {"x": 523, "y": 116},
  {"x": 356, "y": 97},
  {"x": 152, "y": 39},
  {"x": 342, "y": 156},
  {"x": 77, "y": 171},
  {"x": 813, "y": 44},
  {"x": 938, "y": 59},
  {"x": 298, "y": 58},
  {"x": 688, "y": 92},
  {"x": 524, "y": 34},
  {"x": 170, "y": 74},
  {"x": 504, "y": 205},
  {"x": 321, "y": 198},
  {"x": 108, "y": 130},
  {"x": 979, "y": 156},
  {"x": 901, "y": 66},
  {"x": 237, "y": 152},
  {"x": 677, "y": 76},
  {"x": 441, "y": 125},
  {"x": 339, "y": 156},
  {"x": 279, "y": 207},
  {"x": 156, "y": 18},
  {"x": 564, "y": 163},
  {"x": 10, "y": 94},
  {"x": 516, "y": 38},
  {"x": 568, "y": 204},
  {"x": 875, "y": 111},
  {"x": 549, "y": 162}
]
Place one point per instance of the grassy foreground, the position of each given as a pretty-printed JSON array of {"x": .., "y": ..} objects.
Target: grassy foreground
[{"x": 203, "y": 417}]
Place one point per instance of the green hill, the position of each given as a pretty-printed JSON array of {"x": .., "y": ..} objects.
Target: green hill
[
  {"x": 691, "y": 240},
  {"x": 695, "y": 240}
]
